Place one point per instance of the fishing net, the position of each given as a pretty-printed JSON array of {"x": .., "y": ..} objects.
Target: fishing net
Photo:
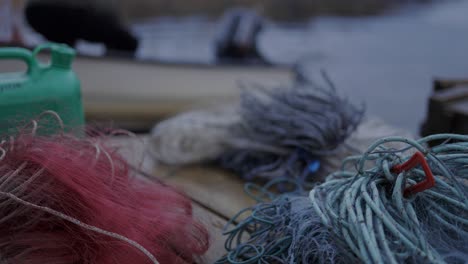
[{"x": 406, "y": 205}]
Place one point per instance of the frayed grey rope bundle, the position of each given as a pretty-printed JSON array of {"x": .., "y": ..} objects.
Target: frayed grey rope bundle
[
  {"x": 361, "y": 214},
  {"x": 275, "y": 132},
  {"x": 299, "y": 124}
]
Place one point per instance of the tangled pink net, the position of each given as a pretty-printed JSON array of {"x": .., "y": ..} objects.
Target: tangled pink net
[{"x": 65, "y": 199}]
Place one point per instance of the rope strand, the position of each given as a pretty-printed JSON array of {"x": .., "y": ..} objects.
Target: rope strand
[{"x": 360, "y": 213}]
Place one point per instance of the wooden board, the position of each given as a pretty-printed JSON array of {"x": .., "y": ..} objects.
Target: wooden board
[
  {"x": 216, "y": 189},
  {"x": 122, "y": 89},
  {"x": 447, "y": 109},
  {"x": 134, "y": 94},
  {"x": 215, "y": 225},
  {"x": 218, "y": 195}
]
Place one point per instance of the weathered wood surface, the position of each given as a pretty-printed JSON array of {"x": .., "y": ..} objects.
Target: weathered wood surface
[
  {"x": 215, "y": 225},
  {"x": 442, "y": 84},
  {"x": 134, "y": 150},
  {"x": 218, "y": 195},
  {"x": 216, "y": 189},
  {"x": 134, "y": 94},
  {"x": 448, "y": 108},
  {"x": 121, "y": 89}
]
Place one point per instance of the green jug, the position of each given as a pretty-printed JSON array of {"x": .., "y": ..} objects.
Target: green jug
[{"x": 53, "y": 87}]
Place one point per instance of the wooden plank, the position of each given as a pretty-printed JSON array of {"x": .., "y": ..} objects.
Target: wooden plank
[
  {"x": 446, "y": 112},
  {"x": 460, "y": 117},
  {"x": 125, "y": 90},
  {"x": 442, "y": 84},
  {"x": 161, "y": 90},
  {"x": 133, "y": 149},
  {"x": 136, "y": 95},
  {"x": 219, "y": 195},
  {"x": 214, "y": 225},
  {"x": 223, "y": 192},
  {"x": 216, "y": 189},
  {"x": 213, "y": 188}
]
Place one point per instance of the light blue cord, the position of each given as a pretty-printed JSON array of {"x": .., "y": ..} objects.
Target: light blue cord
[{"x": 359, "y": 214}]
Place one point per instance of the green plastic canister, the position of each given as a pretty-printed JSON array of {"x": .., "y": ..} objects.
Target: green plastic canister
[{"x": 43, "y": 87}]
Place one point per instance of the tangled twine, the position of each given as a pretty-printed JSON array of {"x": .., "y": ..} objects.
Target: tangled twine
[
  {"x": 10, "y": 188},
  {"x": 361, "y": 213},
  {"x": 274, "y": 132},
  {"x": 65, "y": 199}
]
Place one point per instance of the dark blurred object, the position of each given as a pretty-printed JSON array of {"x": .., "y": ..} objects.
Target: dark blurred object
[
  {"x": 442, "y": 84},
  {"x": 448, "y": 108},
  {"x": 279, "y": 10},
  {"x": 11, "y": 33},
  {"x": 67, "y": 23},
  {"x": 236, "y": 39}
]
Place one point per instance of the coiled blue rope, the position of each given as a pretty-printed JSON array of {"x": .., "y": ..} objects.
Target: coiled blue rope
[{"x": 360, "y": 214}]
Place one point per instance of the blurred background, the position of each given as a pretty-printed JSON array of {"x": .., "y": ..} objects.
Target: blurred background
[{"x": 143, "y": 60}]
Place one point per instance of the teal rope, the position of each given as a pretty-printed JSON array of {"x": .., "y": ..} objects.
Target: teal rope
[
  {"x": 359, "y": 214},
  {"x": 371, "y": 215}
]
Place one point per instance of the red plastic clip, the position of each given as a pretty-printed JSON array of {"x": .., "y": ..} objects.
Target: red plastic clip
[{"x": 429, "y": 182}]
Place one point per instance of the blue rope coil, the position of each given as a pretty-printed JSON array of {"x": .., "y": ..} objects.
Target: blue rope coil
[{"x": 360, "y": 213}]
